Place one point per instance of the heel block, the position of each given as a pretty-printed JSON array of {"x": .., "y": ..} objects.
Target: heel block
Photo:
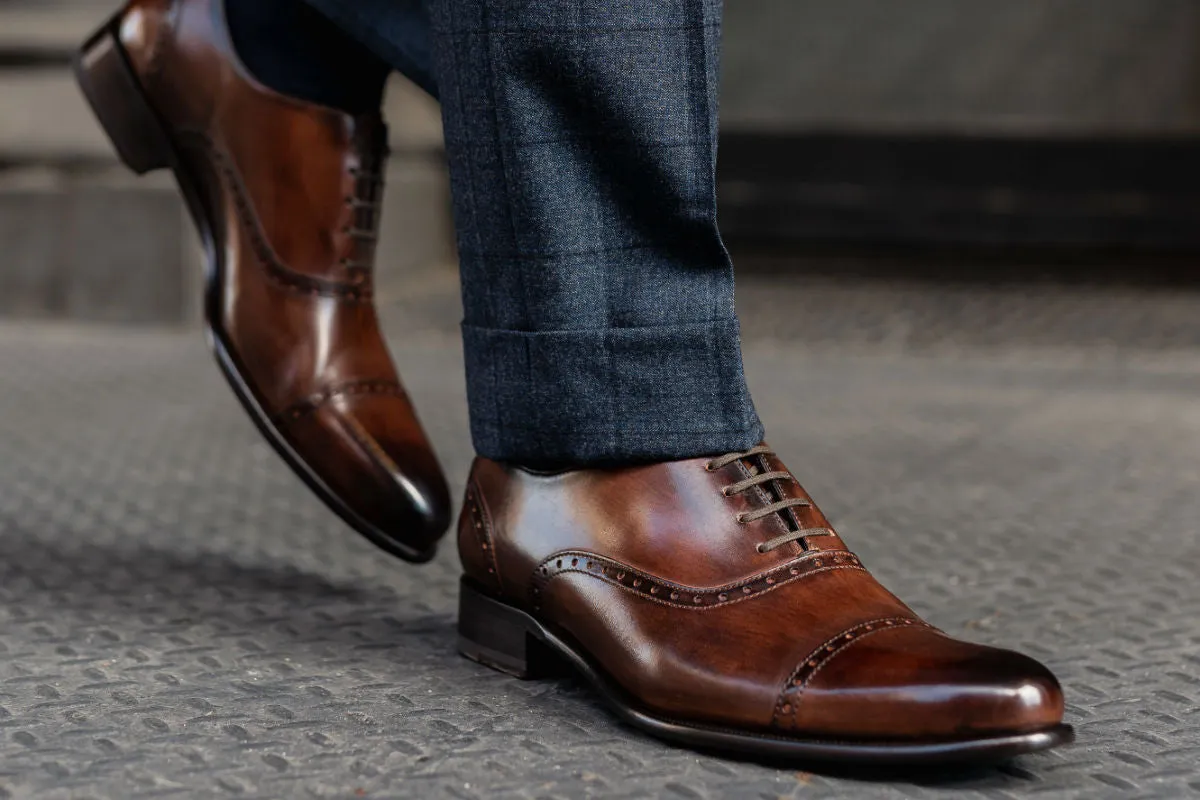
[
  {"x": 112, "y": 89},
  {"x": 502, "y": 637}
]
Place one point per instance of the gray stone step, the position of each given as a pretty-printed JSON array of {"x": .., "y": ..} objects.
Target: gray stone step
[
  {"x": 45, "y": 120},
  {"x": 83, "y": 240},
  {"x": 94, "y": 247},
  {"x": 99, "y": 245},
  {"x": 49, "y": 28},
  {"x": 1022, "y": 67}
]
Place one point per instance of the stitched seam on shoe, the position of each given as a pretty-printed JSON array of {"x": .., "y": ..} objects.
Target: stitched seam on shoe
[
  {"x": 815, "y": 555},
  {"x": 483, "y": 532},
  {"x": 792, "y": 694},
  {"x": 709, "y": 606},
  {"x": 354, "y": 389},
  {"x": 275, "y": 270},
  {"x": 766, "y": 580}
]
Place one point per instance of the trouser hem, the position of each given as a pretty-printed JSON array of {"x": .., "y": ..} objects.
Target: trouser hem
[{"x": 614, "y": 395}]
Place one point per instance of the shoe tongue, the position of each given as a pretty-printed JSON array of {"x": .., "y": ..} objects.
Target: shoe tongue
[{"x": 757, "y": 465}]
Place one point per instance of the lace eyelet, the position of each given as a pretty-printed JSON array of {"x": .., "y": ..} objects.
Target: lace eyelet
[
  {"x": 709, "y": 467},
  {"x": 725, "y": 491},
  {"x": 741, "y": 518},
  {"x": 762, "y": 550}
]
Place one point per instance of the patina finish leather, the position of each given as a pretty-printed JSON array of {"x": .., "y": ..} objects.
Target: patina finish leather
[
  {"x": 649, "y": 572},
  {"x": 286, "y": 195}
]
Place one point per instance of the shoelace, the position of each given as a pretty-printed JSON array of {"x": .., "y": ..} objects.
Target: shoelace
[
  {"x": 764, "y": 479},
  {"x": 365, "y": 204}
]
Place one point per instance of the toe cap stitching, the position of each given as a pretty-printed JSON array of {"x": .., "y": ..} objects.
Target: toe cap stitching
[{"x": 822, "y": 655}]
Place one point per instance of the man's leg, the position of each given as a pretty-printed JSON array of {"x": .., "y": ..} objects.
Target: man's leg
[
  {"x": 599, "y": 322},
  {"x": 665, "y": 549},
  {"x": 599, "y": 297}
]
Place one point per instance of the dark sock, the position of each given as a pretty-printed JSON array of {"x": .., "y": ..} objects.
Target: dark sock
[{"x": 289, "y": 47}]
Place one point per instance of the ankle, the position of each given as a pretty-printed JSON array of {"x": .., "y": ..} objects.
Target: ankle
[{"x": 290, "y": 48}]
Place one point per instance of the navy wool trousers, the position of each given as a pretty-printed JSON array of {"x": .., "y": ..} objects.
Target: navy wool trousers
[{"x": 581, "y": 135}]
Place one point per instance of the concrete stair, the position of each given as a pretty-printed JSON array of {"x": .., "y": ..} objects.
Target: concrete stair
[{"x": 80, "y": 238}]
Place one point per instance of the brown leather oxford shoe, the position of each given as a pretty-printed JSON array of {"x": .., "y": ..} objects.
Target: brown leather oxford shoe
[
  {"x": 712, "y": 604},
  {"x": 286, "y": 196}
]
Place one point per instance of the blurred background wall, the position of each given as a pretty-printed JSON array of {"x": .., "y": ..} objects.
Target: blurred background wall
[
  {"x": 1027, "y": 122},
  {"x": 1052, "y": 123},
  {"x": 1021, "y": 67}
]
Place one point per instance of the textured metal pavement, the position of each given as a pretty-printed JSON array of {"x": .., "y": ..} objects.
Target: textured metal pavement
[{"x": 179, "y": 619}]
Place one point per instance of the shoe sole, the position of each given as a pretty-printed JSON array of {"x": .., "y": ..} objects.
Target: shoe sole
[
  {"x": 107, "y": 79},
  {"x": 507, "y": 639}
]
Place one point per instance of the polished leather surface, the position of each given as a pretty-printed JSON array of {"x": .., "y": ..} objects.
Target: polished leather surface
[
  {"x": 291, "y": 192},
  {"x": 649, "y": 571}
]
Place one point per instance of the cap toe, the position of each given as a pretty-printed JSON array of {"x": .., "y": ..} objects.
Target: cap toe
[{"x": 913, "y": 682}]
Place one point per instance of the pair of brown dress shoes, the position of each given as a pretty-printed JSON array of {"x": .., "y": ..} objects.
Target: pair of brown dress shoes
[{"x": 709, "y": 600}]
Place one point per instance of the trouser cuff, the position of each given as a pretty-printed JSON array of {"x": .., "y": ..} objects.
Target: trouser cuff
[{"x": 609, "y": 396}]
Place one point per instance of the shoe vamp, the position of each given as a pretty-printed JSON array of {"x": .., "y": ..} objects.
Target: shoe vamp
[{"x": 723, "y": 664}]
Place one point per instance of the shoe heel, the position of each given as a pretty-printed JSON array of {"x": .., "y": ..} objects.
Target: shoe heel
[
  {"x": 112, "y": 89},
  {"x": 503, "y": 638}
]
